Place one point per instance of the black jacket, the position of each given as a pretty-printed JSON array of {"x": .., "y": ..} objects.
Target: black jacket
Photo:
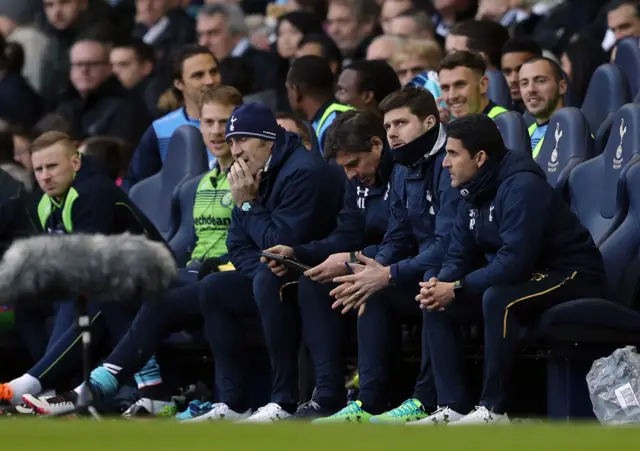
[
  {"x": 15, "y": 218},
  {"x": 110, "y": 110}
]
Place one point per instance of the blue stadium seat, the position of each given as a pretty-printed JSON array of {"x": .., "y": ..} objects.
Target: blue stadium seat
[
  {"x": 186, "y": 158},
  {"x": 628, "y": 61},
  {"x": 566, "y": 144},
  {"x": 584, "y": 329},
  {"x": 184, "y": 240},
  {"x": 594, "y": 194},
  {"x": 637, "y": 98},
  {"x": 498, "y": 90},
  {"x": 514, "y": 131},
  {"x": 607, "y": 92}
]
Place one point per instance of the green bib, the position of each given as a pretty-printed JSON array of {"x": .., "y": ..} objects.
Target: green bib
[{"x": 212, "y": 216}]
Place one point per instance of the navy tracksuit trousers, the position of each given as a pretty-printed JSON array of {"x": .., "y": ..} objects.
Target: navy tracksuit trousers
[
  {"x": 503, "y": 310},
  {"x": 228, "y": 299},
  {"x": 324, "y": 333}
]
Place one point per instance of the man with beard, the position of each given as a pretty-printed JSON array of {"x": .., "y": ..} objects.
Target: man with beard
[
  {"x": 542, "y": 88},
  {"x": 422, "y": 210}
]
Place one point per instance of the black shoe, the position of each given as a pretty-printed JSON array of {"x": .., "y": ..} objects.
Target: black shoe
[{"x": 310, "y": 411}]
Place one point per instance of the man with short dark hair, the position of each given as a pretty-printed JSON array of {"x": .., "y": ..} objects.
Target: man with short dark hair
[
  {"x": 133, "y": 63},
  {"x": 364, "y": 84},
  {"x": 542, "y": 87},
  {"x": 310, "y": 86},
  {"x": 357, "y": 141},
  {"x": 515, "y": 53},
  {"x": 483, "y": 36},
  {"x": 321, "y": 45},
  {"x": 351, "y": 25},
  {"x": 195, "y": 69},
  {"x": 412, "y": 24},
  {"x": 464, "y": 85},
  {"x": 516, "y": 251},
  {"x": 422, "y": 209}
]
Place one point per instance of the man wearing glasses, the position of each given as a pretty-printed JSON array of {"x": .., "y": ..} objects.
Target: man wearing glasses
[{"x": 102, "y": 107}]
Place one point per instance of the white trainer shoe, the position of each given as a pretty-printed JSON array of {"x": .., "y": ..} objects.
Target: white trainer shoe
[
  {"x": 52, "y": 405},
  {"x": 220, "y": 412},
  {"x": 482, "y": 415},
  {"x": 441, "y": 417},
  {"x": 270, "y": 413}
]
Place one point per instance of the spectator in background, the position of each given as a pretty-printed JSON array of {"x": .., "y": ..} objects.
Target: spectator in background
[
  {"x": 352, "y": 25},
  {"x": 194, "y": 70},
  {"x": 321, "y": 45},
  {"x": 222, "y": 29},
  {"x": 17, "y": 24},
  {"x": 103, "y": 106},
  {"x": 364, "y": 84},
  {"x": 623, "y": 18},
  {"x": 14, "y": 91},
  {"x": 22, "y": 139},
  {"x": 53, "y": 122},
  {"x": 449, "y": 12},
  {"x": 464, "y": 86},
  {"x": 14, "y": 56},
  {"x": 391, "y": 9},
  {"x": 580, "y": 60},
  {"x": 310, "y": 90},
  {"x": 169, "y": 101},
  {"x": 542, "y": 87},
  {"x": 416, "y": 57},
  {"x": 163, "y": 31},
  {"x": 66, "y": 20},
  {"x": 483, "y": 36},
  {"x": 412, "y": 24},
  {"x": 113, "y": 153},
  {"x": 515, "y": 53},
  {"x": 133, "y": 63},
  {"x": 293, "y": 123},
  {"x": 291, "y": 28},
  {"x": 236, "y": 72},
  {"x": 383, "y": 47}
]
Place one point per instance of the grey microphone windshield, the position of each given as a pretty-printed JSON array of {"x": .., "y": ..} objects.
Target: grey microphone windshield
[{"x": 114, "y": 268}]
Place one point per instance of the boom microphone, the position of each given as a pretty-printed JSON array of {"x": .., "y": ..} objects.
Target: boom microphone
[{"x": 114, "y": 268}]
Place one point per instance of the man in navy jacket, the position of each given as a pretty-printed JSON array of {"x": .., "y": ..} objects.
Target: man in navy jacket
[
  {"x": 516, "y": 251},
  {"x": 357, "y": 141},
  {"x": 286, "y": 195},
  {"x": 422, "y": 210}
]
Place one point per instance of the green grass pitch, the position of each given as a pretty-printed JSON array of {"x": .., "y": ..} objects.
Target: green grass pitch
[{"x": 87, "y": 435}]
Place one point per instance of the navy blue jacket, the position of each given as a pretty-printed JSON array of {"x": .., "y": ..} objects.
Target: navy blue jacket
[
  {"x": 422, "y": 211},
  {"x": 518, "y": 225},
  {"x": 362, "y": 222},
  {"x": 297, "y": 202}
]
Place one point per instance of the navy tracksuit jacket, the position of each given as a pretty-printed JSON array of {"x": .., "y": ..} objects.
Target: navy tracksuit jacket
[
  {"x": 362, "y": 222},
  {"x": 518, "y": 250}
]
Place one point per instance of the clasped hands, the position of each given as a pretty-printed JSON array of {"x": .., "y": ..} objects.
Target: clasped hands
[{"x": 435, "y": 295}]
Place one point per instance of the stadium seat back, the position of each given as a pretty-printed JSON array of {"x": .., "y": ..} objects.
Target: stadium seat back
[
  {"x": 568, "y": 95},
  {"x": 594, "y": 193},
  {"x": 514, "y": 131},
  {"x": 607, "y": 92},
  {"x": 621, "y": 251},
  {"x": 184, "y": 239},
  {"x": 498, "y": 90},
  {"x": 567, "y": 143},
  {"x": 628, "y": 61},
  {"x": 186, "y": 158}
]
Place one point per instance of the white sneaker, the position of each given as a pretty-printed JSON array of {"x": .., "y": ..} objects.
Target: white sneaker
[
  {"x": 270, "y": 413},
  {"x": 440, "y": 417},
  {"x": 220, "y": 411},
  {"x": 482, "y": 415},
  {"x": 52, "y": 405}
]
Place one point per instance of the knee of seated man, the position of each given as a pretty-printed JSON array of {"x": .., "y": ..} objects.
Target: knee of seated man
[
  {"x": 212, "y": 285},
  {"x": 269, "y": 288},
  {"x": 495, "y": 299}
]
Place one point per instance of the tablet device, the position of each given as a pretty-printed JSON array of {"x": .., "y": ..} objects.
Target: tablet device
[{"x": 288, "y": 263}]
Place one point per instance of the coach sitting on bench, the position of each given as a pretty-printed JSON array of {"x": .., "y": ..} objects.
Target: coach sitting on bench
[{"x": 538, "y": 254}]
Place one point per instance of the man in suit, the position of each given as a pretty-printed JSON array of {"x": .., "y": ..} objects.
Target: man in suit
[{"x": 222, "y": 29}]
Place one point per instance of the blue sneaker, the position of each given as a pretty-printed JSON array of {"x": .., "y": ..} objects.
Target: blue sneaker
[{"x": 195, "y": 409}]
